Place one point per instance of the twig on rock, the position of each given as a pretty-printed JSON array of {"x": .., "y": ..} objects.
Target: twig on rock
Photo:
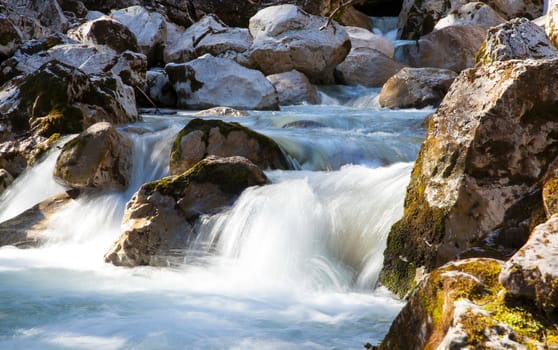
[{"x": 339, "y": 8}]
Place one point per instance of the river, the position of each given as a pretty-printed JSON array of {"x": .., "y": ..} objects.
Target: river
[{"x": 291, "y": 265}]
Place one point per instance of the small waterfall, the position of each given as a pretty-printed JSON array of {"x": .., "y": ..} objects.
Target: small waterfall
[{"x": 317, "y": 230}]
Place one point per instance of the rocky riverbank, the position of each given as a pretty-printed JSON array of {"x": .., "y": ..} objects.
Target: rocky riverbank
[{"x": 474, "y": 252}]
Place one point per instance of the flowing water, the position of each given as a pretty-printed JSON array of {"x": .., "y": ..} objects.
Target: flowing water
[{"x": 291, "y": 265}]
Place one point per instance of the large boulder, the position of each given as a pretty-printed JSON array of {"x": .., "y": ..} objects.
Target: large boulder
[
  {"x": 419, "y": 17},
  {"x": 516, "y": 39},
  {"x": 149, "y": 28},
  {"x": 159, "y": 89},
  {"x": 551, "y": 25},
  {"x": 294, "y": 88},
  {"x": 361, "y": 37},
  {"x": 287, "y": 38},
  {"x": 433, "y": 49},
  {"x": 209, "y": 36},
  {"x": 35, "y": 18},
  {"x": 10, "y": 38},
  {"x": 105, "y": 31},
  {"x": 214, "y": 81},
  {"x": 158, "y": 219},
  {"x": 99, "y": 157},
  {"x": 475, "y": 189},
  {"x": 533, "y": 271},
  {"x": 57, "y": 98},
  {"x": 367, "y": 67},
  {"x": 462, "y": 305},
  {"x": 416, "y": 87},
  {"x": 201, "y": 138},
  {"x": 472, "y": 13},
  {"x": 27, "y": 229}
]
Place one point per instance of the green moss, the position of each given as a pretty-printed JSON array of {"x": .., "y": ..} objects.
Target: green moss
[
  {"x": 481, "y": 56},
  {"x": 266, "y": 143}
]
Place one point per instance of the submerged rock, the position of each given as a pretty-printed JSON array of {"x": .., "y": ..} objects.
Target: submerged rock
[
  {"x": 416, "y": 87},
  {"x": 516, "y": 39},
  {"x": 201, "y": 138},
  {"x": 293, "y": 88},
  {"x": 220, "y": 112},
  {"x": 27, "y": 229},
  {"x": 287, "y": 38},
  {"x": 462, "y": 305},
  {"x": 158, "y": 219},
  {"x": 99, "y": 157},
  {"x": 213, "y": 81},
  {"x": 478, "y": 172}
]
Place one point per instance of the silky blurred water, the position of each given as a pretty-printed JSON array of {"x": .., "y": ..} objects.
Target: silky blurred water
[{"x": 291, "y": 265}]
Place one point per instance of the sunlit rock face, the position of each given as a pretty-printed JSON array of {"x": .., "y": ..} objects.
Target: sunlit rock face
[
  {"x": 516, "y": 39},
  {"x": 201, "y": 138},
  {"x": 462, "y": 305},
  {"x": 159, "y": 218},
  {"x": 287, "y": 38},
  {"x": 99, "y": 157},
  {"x": 475, "y": 187},
  {"x": 210, "y": 81}
]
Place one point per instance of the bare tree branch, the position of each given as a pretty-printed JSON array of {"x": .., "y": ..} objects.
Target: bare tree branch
[{"x": 341, "y": 7}]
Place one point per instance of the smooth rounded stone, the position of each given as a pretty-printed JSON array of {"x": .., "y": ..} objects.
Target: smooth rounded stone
[
  {"x": 551, "y": 23},
  {"x": 462, "y": 305},
  {"x": 6, "y": 180},
  {"x": 472, "y": 13},
  {"x": 419, "y": 17},
  {"x": 10, "y": 38},
  {"x": 304, "y": 124},
  {"x": 532, "y": 272},
  {"x": 99, "y": 157},
  {"x": 476, "y": 184},
  {"x": 105, "y": 31},
  {"x": 287, "y": 38},
  {"x": 516, "y": 39},
  {"x": 294, "y": 88},
  {"x": 150, "y": 29},
  {"x": 158, "y": 219},
  {"x": 214, "y": 81},
  {"x": 366, "y": 67},
  {"x": 361, "y": 37},
  {"x": 27, "y": 229},
  {"x": 209, "y": 36},
  {"x": 159, "y": 88},
  {"x": 221, "y": 112},
  {"x": 58, "y": 98},
  {"x": 416, "y": 88},
  {"x": 451, "y": 48},
  {"x": 201, "y": 138}
]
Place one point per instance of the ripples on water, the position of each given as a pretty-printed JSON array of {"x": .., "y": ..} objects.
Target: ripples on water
[{"x": 291, "y": 265}]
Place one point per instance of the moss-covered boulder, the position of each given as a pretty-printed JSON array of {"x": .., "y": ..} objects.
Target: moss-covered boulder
[
  {"x": 475, "y": 188},
  {"x": 517, "y": 39},
  {"x": 201, "y": 138},
  {"x": 27, "y": 229},
  {"x": 58, "y": 98},
  {"x": 158, "y": 219},
  {"x": 416, "y": 87},
  {"x": 533, "y": 271},
  {"x": 99, "y": 157},
  {"x": 462, "y": 305}
]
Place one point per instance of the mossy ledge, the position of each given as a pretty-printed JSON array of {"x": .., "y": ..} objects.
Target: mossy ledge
[{"x": 491, "y": 312}]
